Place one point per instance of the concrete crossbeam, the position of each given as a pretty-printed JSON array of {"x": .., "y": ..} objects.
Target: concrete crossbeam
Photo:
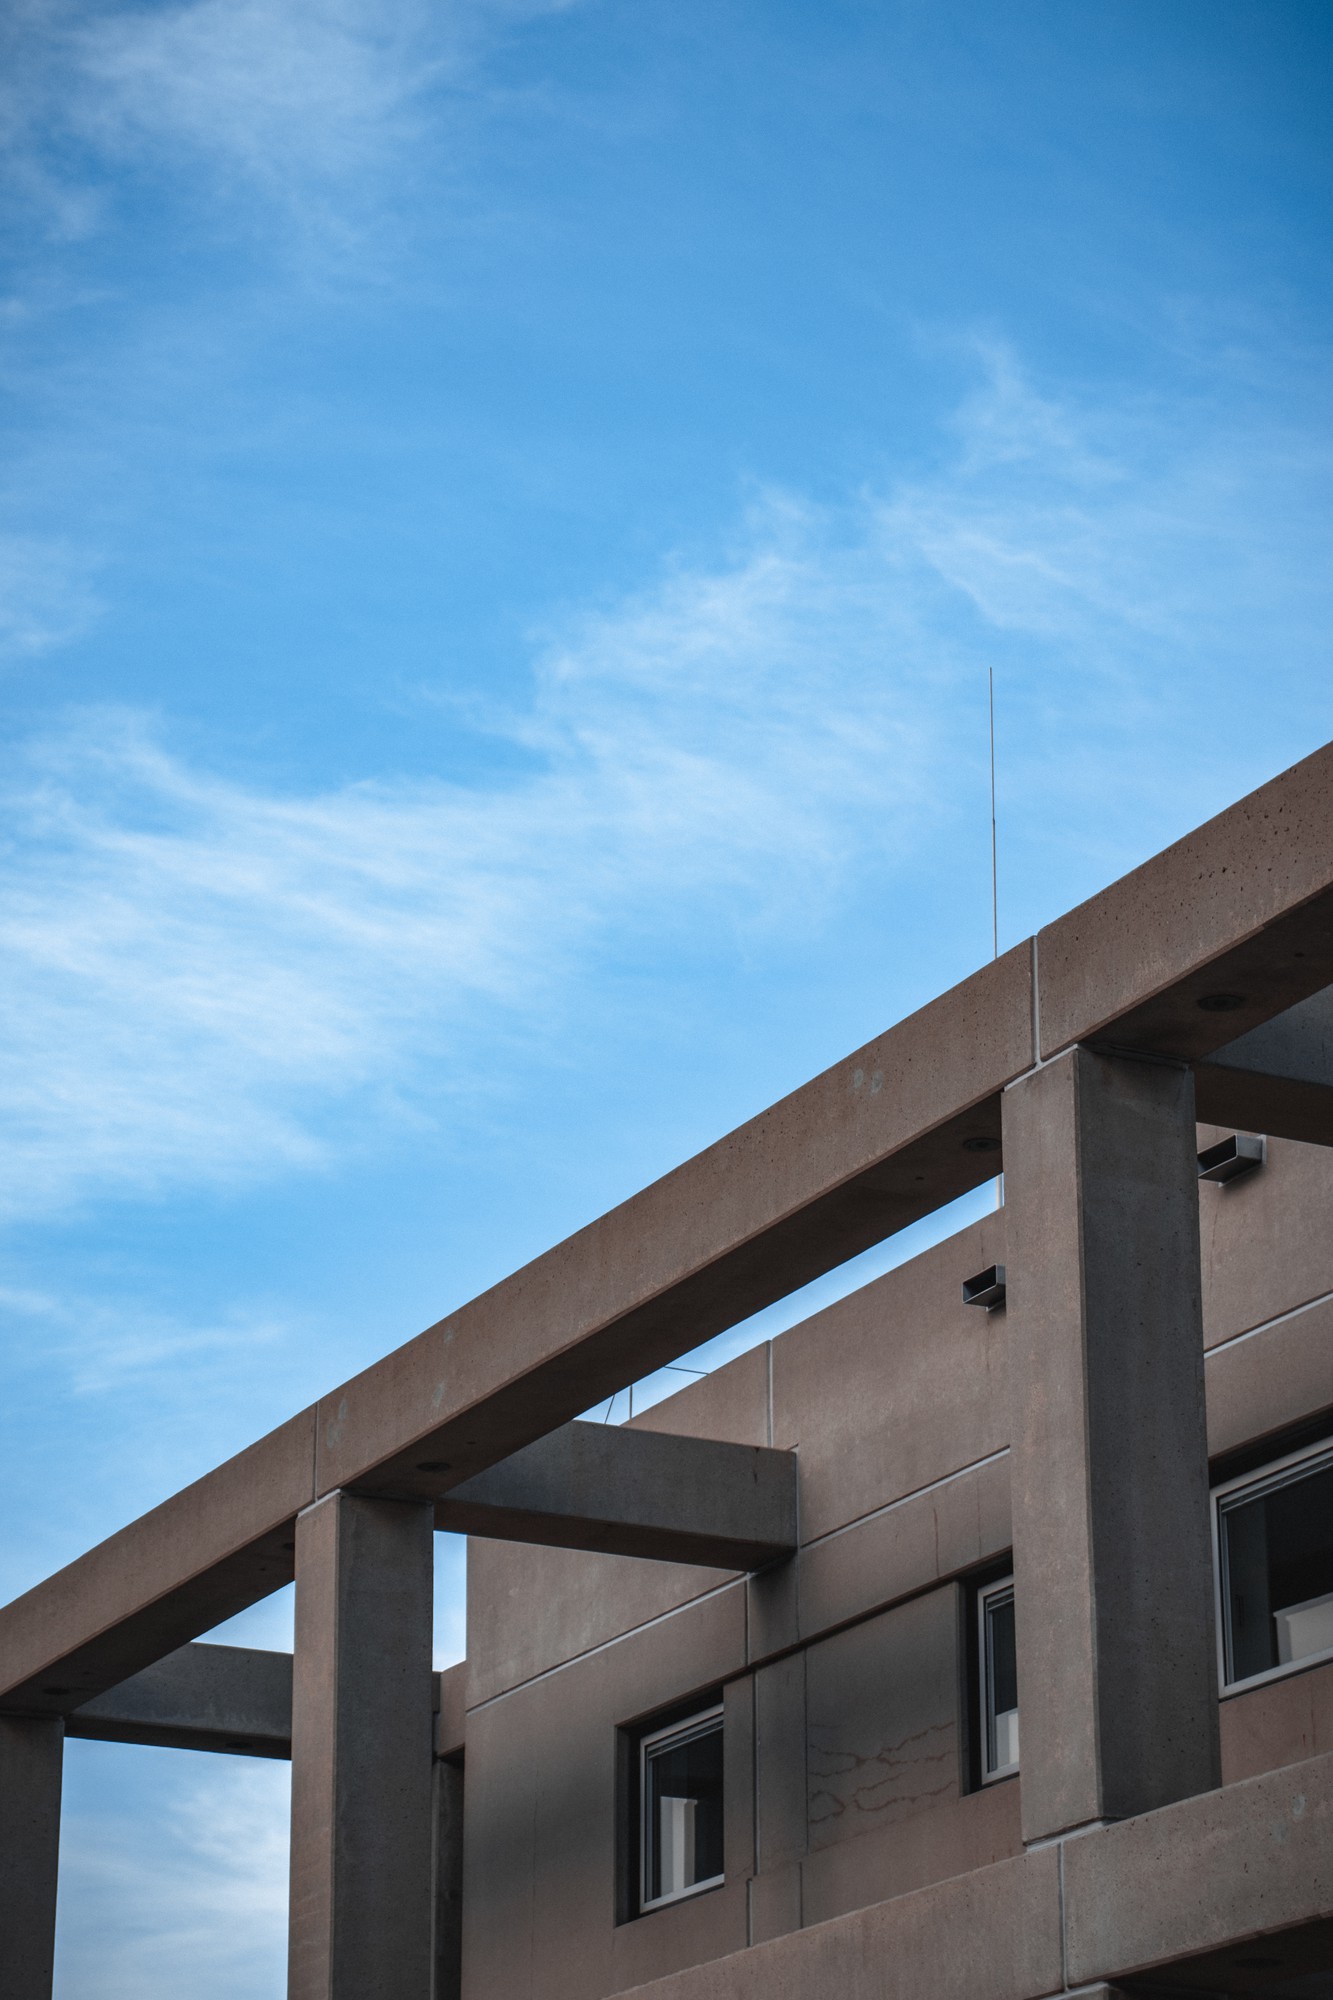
[
  {"x": 361, "y": 1845},
  {"x": 1277, "y": 1079},
  {"x": 210, "y": 1551},
  {"x": 636, "y": 1493},
  {"x": 235, "y": 1699},
  {"x": 232, "y": 1698},
  {"x": 31, "y": 1753},
  {"x": 1109, "y": 1463},
  {"x": 1241, "y": 909}
]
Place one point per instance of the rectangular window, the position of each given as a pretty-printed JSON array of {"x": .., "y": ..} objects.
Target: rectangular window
[
  {"x": 680, "y": 1799},
  {"x": 1274, "y": 1538},
  {"x": 998, "y": 1680}
]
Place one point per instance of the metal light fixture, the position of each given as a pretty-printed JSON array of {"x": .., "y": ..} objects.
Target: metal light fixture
[
  {"x": 1231, "y": 1159},
  {"x": 986, "y": 1289}
]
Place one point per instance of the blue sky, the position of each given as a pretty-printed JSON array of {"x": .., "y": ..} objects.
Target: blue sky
[{"x": 506, "y": 514}]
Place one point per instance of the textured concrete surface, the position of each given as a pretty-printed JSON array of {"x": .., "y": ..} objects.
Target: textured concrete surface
[
  {"x": 362, "y": 1728},
  {"x": 31, "y": 1752},
  {"x": 948, "y": 1837},
  {"x": 935, "y": 1367},
  {"x": 1263, "y": 1241},
  {"x": 232, "y": 1698},
  {"x": 636, "y": 1493},
  {"x": 921, "y": 1946},
  {"x": 881, "y": 1705},
  {"x": 1242, "y": 906},
  {"x": 447, "y": 1879},
  {"x": 1112, "y": 1537},
  {"x": 1284, "y": 1722},
  {"x": 540, "y": 1849},
  {"x": 1234, "y": 1864},
  {"x": 1271, "y": 1378}
]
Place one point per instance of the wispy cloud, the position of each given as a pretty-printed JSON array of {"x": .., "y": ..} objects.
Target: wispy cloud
[
  {"x": 200, "y": 970},
  {"x": 210, "y": 980},
  {"x": 46, "y": 595},
  {"x": 105, "y": 1344},
  {"x": 308, "y": 112},
  {"x": 201, "y": 1911}
]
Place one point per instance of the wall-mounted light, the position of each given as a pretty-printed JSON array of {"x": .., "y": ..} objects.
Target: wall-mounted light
[
  {"x": 1230, "y": 1159},
  {"x": 986, "y": 1289}
]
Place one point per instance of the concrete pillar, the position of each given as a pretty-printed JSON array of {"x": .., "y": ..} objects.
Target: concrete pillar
[
  {"x": 1117, "y": 1678},
  {"x": 447, "y": 1934},
  {"x": 31, "y": 1752},
  {"x": 362, "y": 1722}
]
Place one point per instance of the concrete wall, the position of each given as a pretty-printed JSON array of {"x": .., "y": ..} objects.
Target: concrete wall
[{"x": 847, "y": 1775}]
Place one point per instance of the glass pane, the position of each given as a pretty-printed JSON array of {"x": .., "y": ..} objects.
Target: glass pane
[
  {"x": 683, "y": 1812},
  {"x": 1277, "y": 1553},
  {"x": 1001, "y": 1684}
]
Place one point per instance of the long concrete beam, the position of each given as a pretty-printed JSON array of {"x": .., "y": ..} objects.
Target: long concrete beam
[
  {"x": 1211, "y": 938},
  {"x": 636, "y": 1493},
  {"x": 233, "y": 1698},
  {"x": 236, "y": 1699}
]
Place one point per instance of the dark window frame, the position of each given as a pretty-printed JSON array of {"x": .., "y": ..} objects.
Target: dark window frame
[
  {"x": 631, "y": 1835},
  {"x": 1250, "y": 1477},
  {"x": 971, "y": 1689}
]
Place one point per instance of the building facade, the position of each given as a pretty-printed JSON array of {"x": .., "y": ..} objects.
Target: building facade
[{"x": 971, "y": 1640}]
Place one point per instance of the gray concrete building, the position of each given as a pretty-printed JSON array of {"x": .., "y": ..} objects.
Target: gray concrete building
[{"x": 971, "y": 1640}]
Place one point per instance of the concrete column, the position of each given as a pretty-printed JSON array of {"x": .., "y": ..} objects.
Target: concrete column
[
  {"x": 447, "y": 1935},
  {"x": 31, "y": 1752},
  {"x": 1117, "y": 1679},
  {"x": 362, "y": 1722}
]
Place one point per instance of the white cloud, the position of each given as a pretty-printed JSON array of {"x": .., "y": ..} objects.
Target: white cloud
[
  {"x": 211, "y": 981},
  {"x": 315, "y": 111},
  {"x": 181, "y": 1891},
  {"x": 46, "y": 595},
  {"x": 105, "y": 1344},
  {"x": 198, "y": 969}
]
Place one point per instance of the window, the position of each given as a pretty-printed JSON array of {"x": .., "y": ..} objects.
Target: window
[
  {"x": 680, "y": 1808},
  {"x": 997, "y": 1680},
  {"x": 1274, "y": 1539}
]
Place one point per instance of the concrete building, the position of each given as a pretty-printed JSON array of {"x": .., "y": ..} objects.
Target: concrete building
[{"x": 741, "y": 1710}]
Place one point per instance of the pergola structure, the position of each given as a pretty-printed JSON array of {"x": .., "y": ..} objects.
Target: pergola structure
[{"x": 1079, "y": 1063}]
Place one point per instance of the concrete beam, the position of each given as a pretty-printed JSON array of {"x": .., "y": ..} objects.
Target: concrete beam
[
  {"x": 636, "y": 1493},
  {"x": 1113, "y": 1580},
  {"x": 1239, "y": 911},
  {"x": 210, "y": 1551},
  {"x": 232, "y": 1698},
  {"x": 1208, "y": 1875},
  {"x": 1243, "y": 908},
  {"x": 31, "y": 1752},
  {"x": 1277, "y": 1079},
  {"x": 361, "y": 1841}
]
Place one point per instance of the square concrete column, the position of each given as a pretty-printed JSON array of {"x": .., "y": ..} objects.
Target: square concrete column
[
  {"x": 31, "y": 1753},
  {"x": 362, "y": 1750},
  {"x": 1113, "y": 1581},
  {"x": 447, "y": 1946}
]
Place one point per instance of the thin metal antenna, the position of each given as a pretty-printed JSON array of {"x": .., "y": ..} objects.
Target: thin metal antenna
[{"x": 994, "y": 871}]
